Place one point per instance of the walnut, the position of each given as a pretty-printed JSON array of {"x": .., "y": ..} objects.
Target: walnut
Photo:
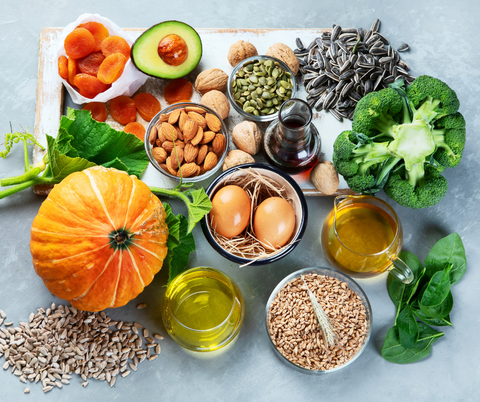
[
  {"x": 218, "y": 102},
  {"x": 325, "y": 178},
  {"x": 236, "y": 157},
  {"x": 211, "y": 79},
  {"x": 247, "y": 137},
  {"x": 240, "y": 51},
  {"x": 284, "y": 53}
]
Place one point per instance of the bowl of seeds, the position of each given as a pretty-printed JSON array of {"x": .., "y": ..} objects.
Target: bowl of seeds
[
  {"x": 318, "y": 320},
  {"x": 259, "y": 85}
]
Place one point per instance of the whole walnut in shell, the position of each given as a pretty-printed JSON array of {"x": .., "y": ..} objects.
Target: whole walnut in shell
[
  {"x": 247, "y": 137},
  {"x": 284, "y": 53},
  {"x": 236, "y": 157},
  {"x": 211, "y": 79},
  {"x": 217, "y": 101},
  {"x": 240, "y": 51}
]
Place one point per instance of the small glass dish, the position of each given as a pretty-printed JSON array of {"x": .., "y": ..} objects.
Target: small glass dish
[
  {"x": 330, "y": 272},
  {"x": 203, "y": 310},
  {"x": 294, "y": 193},
  {"x": 149, "y": 147},
  {"x": 238, "y": 109}
]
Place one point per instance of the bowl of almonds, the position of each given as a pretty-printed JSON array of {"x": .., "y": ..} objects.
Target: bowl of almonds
[{"x": 186, "y": 141}]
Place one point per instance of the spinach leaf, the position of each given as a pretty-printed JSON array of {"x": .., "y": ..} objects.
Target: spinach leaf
[
  {"x": 437, "y": 322},
  {"x": 437, "y": 289},
  {"x": 449, "y": 250},
  {"x": 395, "y": 352},
  {"x": 439, "y": 311},
  {"x": 407, "y": 327}
]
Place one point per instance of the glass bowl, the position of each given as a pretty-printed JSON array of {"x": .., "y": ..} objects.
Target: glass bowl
[
  {"x": 293, "y": 191},
  {"x": 149, "y": 147},
  {"x": 238, "y": 109},
  {"x": 203, "y": 310},
  {"x": 331, "y": 273}
]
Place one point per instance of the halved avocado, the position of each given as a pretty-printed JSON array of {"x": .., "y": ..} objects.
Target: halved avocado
[{"x": 170, "y": 50}]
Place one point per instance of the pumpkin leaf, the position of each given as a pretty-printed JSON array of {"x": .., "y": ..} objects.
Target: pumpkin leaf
[
  {"x": 180, "y": 243},
  {"x": 199, "y": 206}
]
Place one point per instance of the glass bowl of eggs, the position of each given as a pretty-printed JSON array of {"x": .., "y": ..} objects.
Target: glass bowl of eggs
[{"x": 259, "y": 214}]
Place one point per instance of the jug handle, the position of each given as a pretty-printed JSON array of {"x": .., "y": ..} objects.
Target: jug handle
[{"x": 401, "y": 270}]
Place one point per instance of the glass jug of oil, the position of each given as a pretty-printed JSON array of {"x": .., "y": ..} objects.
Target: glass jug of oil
[{"x": 362, "y": 236}]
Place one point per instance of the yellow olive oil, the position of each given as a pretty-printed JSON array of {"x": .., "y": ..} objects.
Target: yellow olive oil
[
  {"x": 361, "y": 238},
  {"x": 203, "y": 309}
]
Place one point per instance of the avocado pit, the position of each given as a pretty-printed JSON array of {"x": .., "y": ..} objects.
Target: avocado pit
[{"x": 173, "y": 50}]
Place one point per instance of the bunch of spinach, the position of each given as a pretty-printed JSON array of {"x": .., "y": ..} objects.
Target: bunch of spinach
[
  {"x": 426, "y": 302},
  {"x": 82, "y": 142}
]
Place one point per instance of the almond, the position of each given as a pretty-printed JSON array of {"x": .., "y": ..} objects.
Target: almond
[
  {"x": 159, "y": 154},
  {"x": 169, "y": 132},
  {"x": 198, "y": 137},
  {"x": 188, "y": 170},
  {"x": 160, "y": 135},
  {"x": 164, "y": 167},
  {"x": 162, "y": 118},
  {"x": 202, "y": 153},
  {"x": 182, "y": 119},
  {"x": 190, "y": 129},
  {"x": 207, "y": 137},
  {"x": 213, "y": 122},
  {"x": 168, "y": 145},
  {"x": 218, "y": 144},
  {"x": 153, "y": 135},
  {"x": 176, "y": 157},
  {"x": 190, "y": 153},
  {"x": 179, "y": 133},
  {"x": 210, "y": 161},
  {"x": 195, "y": 109},
  {"x": 199, "y": 119},
  {"x": 173, "y": 117},
  {"x": 170, "y": 168}
]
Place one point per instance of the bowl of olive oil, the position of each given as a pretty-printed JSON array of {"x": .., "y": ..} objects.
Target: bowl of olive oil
[{"x": 203, "y": 309}]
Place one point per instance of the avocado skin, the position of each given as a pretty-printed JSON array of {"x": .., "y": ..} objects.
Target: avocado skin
[{"x": 159, "y": 72}]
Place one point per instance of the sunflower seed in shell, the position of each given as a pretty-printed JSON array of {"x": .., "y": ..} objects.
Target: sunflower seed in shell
[
  {"x": 375, "y": 26},
  {"x": 336, "y": 32},
  {"x": 299, "y": 44},
  {"x": 403, "y": 47}
]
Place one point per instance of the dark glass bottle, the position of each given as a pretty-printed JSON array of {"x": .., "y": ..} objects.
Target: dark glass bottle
[{"x": 292, "y": 142}]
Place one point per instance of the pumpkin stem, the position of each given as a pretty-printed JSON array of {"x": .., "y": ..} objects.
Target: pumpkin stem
[{"x": 120, "y": 237}]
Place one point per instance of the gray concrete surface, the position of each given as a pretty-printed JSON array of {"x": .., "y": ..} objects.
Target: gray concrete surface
[{"x": 443, "y": 37}]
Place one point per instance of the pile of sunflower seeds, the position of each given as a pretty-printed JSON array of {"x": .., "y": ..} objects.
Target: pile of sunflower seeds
[
  {"x": 60, "y": 341},
  {"x": 343, "y": 65}
]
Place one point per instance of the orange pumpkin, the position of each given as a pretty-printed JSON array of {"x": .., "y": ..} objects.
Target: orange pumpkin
[{"x": 99, "y": 238}]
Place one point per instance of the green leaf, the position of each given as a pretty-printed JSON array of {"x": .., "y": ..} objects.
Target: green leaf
[
  {"x": 394, "y": 352},
  {"x": 101, "y": 144},
  {"x": 437, "y": 289},
  {"x": 199, "y": 206},
  {"x": 437, "y": 322},
  {"x": 449, "y": 250},
  {"x": 441, "y": 310},
  {"x": 407, "y": 327}
]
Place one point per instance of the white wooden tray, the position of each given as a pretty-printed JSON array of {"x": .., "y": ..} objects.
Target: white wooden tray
[{"x": 216, "y": 42}]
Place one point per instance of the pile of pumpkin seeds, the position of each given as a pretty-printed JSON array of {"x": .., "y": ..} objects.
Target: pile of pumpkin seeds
[
  {"x": 61, "y": 340},
  {"x": 261, "y": 86},
  {"x": 343, "y": 65}
]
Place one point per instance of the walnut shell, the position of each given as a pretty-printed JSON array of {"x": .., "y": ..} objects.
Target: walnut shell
[
  {"x": 236, "y": 157},
  {"x": 284, "y": 53},
  {"x": 218, "y": 102},
  {"x": 325, "y": 178},
  {"x": 240, "y": 51},
  {"x": 247, "y": 137},
  {"x": 211, "y": 79}
]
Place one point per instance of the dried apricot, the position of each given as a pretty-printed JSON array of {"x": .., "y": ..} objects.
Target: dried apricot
[
  {"x": 72, "y": 70},
  {"x": 111, "y": 68},
  {"x": 79, "y": 43},
  {"x": 97, "y": 109},
  {"x": 115, "y": 44},
  {"x": 135, "y": 128},
  {"x": 98, "y": 31},
  {"x": 123, "y": 110},
  {"x": 177, "y": 90},
  {"x": 147, "y": 105},
  {"x": 89, "y": 86},
  {"x": 63, "y": 67},
  {"x": 90, "y": 63}
]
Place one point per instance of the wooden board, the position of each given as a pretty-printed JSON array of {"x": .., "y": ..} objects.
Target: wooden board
[{"x": 216, "y": 42}]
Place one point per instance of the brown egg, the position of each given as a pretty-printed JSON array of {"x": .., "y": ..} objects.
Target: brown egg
[
  {"x": 230, "y": 212},
  {"x": 274, "y": 222}
]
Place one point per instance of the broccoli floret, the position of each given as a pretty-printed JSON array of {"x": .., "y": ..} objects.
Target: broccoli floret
[
  {"x": 416, "y": 196},
  {"x": 402, "y": 140},
  {"x": 375, "y": 113}
]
